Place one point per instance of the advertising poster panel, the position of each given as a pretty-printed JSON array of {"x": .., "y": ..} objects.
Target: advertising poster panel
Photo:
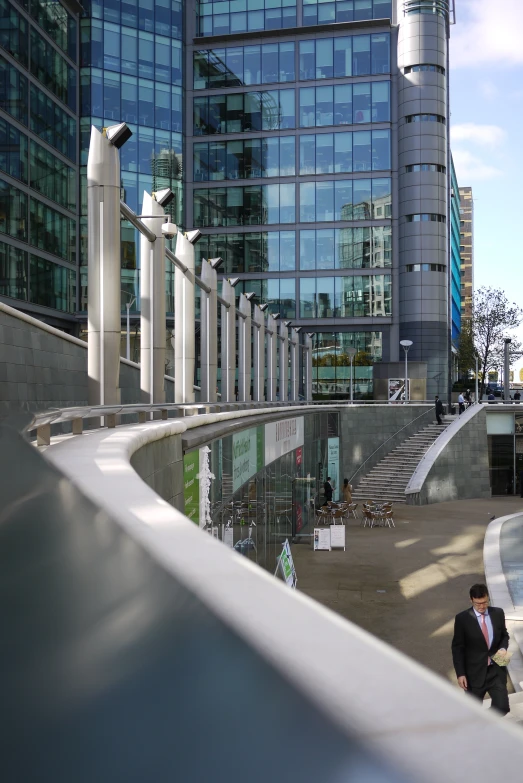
[{"x": 191, "y": 485}]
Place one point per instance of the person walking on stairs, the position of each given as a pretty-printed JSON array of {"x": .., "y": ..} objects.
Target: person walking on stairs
[{"x": 439, "y": 410}]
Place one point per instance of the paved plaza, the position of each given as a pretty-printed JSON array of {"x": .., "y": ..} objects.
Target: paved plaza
[{"x": 406, "y": 584}]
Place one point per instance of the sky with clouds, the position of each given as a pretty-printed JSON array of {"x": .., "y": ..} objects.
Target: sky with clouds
[{"x": 486, "y": 95}]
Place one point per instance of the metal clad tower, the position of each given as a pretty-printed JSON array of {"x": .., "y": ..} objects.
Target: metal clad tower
[{"x": 423, "y": 169}]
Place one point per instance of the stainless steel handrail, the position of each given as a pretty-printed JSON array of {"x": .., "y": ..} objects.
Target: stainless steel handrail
[{"x": 386, "y": 441}]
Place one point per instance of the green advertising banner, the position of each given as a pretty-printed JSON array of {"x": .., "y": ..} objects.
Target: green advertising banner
[
  {"x": 247, "y": 459},
  {"x": 191, "y": 485}
]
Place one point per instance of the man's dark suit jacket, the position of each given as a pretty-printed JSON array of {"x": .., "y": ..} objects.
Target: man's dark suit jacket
[
  {"x": 327, "y": 489},
  {"x": 469, "y": 650}
]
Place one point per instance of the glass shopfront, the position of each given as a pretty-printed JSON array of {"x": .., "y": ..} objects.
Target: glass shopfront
[
  {"x": 505, "y": 448},
  {"x": 267, "y": 483}
]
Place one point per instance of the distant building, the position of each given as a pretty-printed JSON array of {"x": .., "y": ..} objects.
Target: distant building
[{"x": 466, "y": 250}]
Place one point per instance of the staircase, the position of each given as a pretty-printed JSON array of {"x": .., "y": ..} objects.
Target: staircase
[{"x": 389, "y": 478}]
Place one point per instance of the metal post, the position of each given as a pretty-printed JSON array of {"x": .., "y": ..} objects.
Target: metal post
[
  {"x": 103, "y": 229},
  {"x": 245, "y": 352},
  {"x": 293, "y": 350},
  {"x": 152, "y": 318},
  {"x": 308, "y": 366},
  {"x": 351, "y": 353},
  {"x": 284, "y": 361},
  {"x": 128, "y": 332},
  {"x": 477, "y": 380},
  {"x": 506, "y": 371},
  {"x": 184, "y": 322},
  {"x": 406, "y": 378},
  {"x": 209, "y": 333},
  {"x": 271, "y": 330},
  {"x": 258, "y": 339},
  {"x": 228, "y": 352}
]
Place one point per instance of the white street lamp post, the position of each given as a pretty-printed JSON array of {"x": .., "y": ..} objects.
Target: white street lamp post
[
  {"x": 352, "y": 353},
  {"x": 477, "y": 385},
  {"x": 406, "y": 345},
  {"x": 128, "y": 306}
]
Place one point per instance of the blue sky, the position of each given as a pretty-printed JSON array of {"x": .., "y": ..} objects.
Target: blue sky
[{"x": 486, "y": 95}]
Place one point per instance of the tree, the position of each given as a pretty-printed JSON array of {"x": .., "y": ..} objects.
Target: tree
[
  {"x": 466, "y": 349},
  {"x": 494, "y": 319}
]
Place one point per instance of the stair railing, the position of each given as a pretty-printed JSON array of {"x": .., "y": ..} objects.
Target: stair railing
[{"x": 409, "y": 424}]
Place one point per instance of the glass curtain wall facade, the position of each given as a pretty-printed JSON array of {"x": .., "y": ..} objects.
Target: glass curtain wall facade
[
  {"x": 289, "y": 166},
  {"x": 455, "y": 265},
  {"x": 39, "y": 184},
  {"x": 132, "y": 71}
]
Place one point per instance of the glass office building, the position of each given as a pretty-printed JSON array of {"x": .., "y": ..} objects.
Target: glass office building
[
  {"x": 39, "y": 176},
  {"x": 307, "y": 141}
]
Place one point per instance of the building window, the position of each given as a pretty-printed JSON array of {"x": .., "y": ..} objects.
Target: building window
[
  {"x": 425, "y": 167},
  {"x": 52, "y": 70},
  {"x": 254, "y": 251},
  {"x": 52, "y": 285},
  {"x": 239, "y": 65},
  {"x": 423, "y": 68},
  {"x": 13, "y": 211},
  {"x": 351, "y": 55},
  {"x": 52, "y": 124},
  {"x": 358, "y": 199},
  {"x": 345, "y": 248},
  {"x": 425, "y": 268},
  {"x": 425, "y": 118},
  {"x": 52, "y": 231},
  {"x": 221, "y": 18},
  {"x": 244, "y": 159},
  {"x": 315, "y": 12},
  {"x": 435, "y": 7},
  {"x": 51, "y": 177},
  {"x": 345, "y": 104},
  {"x": 345, "y": 297},
  {"x": 345, "y": 152},
  {"x": 252, "y": 205},
  {"x": 426, "y": 217},
  {"x": 244, "y": 112},
  {"x": 57, "y": 23},
  {"x": 278, "y": 293},
  {"x": 13, "y": 272},
  {"x": 14, "y": 98},
  {"x": 13, "y": 151}
]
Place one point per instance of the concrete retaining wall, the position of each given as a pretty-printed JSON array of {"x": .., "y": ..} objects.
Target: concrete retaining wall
[
  {"x": 160, "y": 465},
  {"x": 42, "y": 367},
  {"x": 367, "y": 428},
  {"x": 456, "y": 466}
]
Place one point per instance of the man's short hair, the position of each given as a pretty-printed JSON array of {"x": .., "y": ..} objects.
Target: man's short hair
[
  {"x": 328, "y": 478},
  {"x": 478, "y": 591}
]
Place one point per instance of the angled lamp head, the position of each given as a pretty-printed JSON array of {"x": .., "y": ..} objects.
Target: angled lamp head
[
  {"x": 250, "y": 296},
  {"x": 215, "y": 262},
  {"x": 118, "y": 134},
  {"x": 193, "y": 236},
  {"x": 263, "y": 307},
  {"x": 163, "y": 197},
  {"x": 233, "y": 281}
]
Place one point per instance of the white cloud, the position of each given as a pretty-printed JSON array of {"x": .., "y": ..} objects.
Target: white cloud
[
  {"x": 470, "y": 169},
  {"x": 485, "y": 135},
  {"x": 487, "y": 32}
]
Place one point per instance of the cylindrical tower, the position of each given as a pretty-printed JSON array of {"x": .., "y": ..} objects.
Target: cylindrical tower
[{"x": 423, "y": 165}]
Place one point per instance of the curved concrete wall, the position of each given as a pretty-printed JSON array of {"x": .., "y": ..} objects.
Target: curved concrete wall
[
  {"x": 423, "y": 303},
  {"x": 456, "y": 466}
]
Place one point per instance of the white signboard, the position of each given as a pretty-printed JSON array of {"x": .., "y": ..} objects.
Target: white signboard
[
  {"x": 228, "y": 536},
  {"x": 281, "y": 437},
  {"x": 337, "y": 536},
  {"x": 322, "y": 538},
  {"x": 243, "y": 457}
]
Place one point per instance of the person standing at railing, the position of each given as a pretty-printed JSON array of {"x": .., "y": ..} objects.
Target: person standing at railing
[
  {"x": 480, "y": 636},
  {"x": 328, "y": 491},
  {"x": 468, "y": 398},
  {"x": 461, "y": 403},
  {"x": 439, "y": 409},
  {"x": 346, "y": 491}
]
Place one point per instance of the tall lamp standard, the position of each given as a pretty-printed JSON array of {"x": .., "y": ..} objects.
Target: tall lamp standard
[
  {"x": 477, "y": 380},
  {"x": 128, "y": 306},
  {"x": 351, "y": 352},
  {"x": 406, "y": 345}
]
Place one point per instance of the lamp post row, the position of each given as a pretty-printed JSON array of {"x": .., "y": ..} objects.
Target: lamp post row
[{"x": 260, "y": 341}]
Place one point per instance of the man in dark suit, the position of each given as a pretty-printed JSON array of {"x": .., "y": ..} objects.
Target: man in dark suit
[
  {"x": 479, "y": 633},
  {"x": 439, "y": 409}
]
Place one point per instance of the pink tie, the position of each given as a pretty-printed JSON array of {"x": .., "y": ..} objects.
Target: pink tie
[{"x": 485, "y": 632}]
